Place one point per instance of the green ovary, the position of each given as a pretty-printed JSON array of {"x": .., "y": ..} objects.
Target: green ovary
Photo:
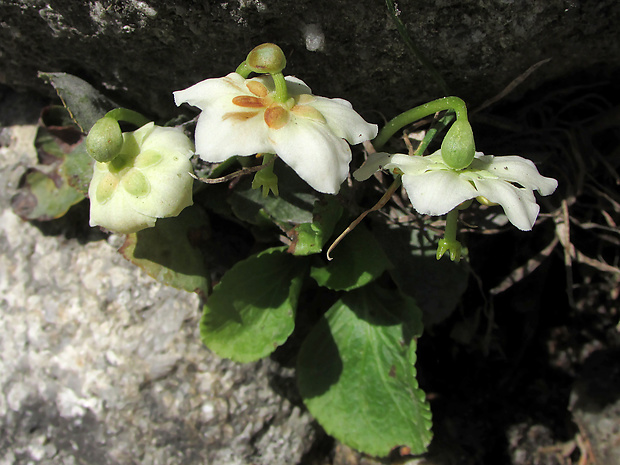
[
  {"x": 106, "y": 188},
  {"x": 136, "y": 184}
]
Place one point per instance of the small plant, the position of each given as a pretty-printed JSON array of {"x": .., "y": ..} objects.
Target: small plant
[{"x": 316, "y": 268}]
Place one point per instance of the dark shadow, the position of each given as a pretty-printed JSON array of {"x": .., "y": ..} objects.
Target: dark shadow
[{"x": 19, "y": 107}]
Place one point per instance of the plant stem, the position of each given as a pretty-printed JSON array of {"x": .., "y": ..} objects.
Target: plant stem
[
  {"x": 244, "y": 70},
  {"x": 451, "y": 225},
  {"x": 419, "y": 112},
  {"x": 130, "y": 116}
]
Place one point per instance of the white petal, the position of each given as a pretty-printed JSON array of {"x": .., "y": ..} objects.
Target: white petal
[
  {"x": 170, "y": 193},
  {"x": 206, "y": 92},
  {"x": 374, "y": 162},
  {"x": 344, "y": 121},
  {"x": 522, "y": 171},
  {"x": 412, "y": 165},
  {"x": 314, "y": 152},
  {"x": 519, "y": 204},
  {"x": 437, "y": 192},
  {"x": 168, "y": 140},
  {"x": 296, "y": 86},
  {"x": 117, "y": 214},
  {"x": 219, "y": 137}
]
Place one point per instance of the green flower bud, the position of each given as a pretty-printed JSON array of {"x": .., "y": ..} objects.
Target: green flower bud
[
  {"x": 458, "y": 147},
  {"x": 105, "y": 140},
  {"x": 266, "y": 58}
]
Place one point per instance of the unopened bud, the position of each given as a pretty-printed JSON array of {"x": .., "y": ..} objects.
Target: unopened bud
[
  {"x": 266, "y": 58},
  {"x": 105, "y": 140},
  {"x": 458, "y": 147}
]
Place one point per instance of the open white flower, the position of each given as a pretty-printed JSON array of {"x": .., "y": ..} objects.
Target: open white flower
[
  {"x": 149, "y": 179},
  {"x": 243, "y": 117},
  {"x": 435, "y": 189}
]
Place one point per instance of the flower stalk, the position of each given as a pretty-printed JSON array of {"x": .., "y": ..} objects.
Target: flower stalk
[{"x": 417, "y": 113}]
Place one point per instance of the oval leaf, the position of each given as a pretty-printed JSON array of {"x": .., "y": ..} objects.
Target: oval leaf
[
  {"x": 85, "y": 103},
  {"x": 252, "y": 310},
  {"x": 357, "y": 377},
  {"x": 358, "y": 260},
  {"x": 169, "y": 252}
]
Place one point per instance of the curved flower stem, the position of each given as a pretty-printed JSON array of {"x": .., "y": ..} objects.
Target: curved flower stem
[
  {"x": 382, "y": 201},
  {"x": 281, "y": 89},
  {"x": 439, "y": 126},
  {"x": 130, "y": 116},
  {"x": 244, "y": 70},
  {"x": 410, "y": 116}
]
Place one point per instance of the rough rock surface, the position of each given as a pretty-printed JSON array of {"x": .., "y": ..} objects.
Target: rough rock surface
[
  {"x": 139, "y": 51},
  {"x": 102, "y": 365}
]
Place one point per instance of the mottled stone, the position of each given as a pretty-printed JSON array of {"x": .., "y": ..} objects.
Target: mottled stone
[
  {"x": 595, "y": 403},
  {"x": 103, "y": 365}
]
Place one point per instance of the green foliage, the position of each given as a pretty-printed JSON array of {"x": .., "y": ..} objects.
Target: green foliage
[
  {"x": 85, "y": 103},
  {"x": 309, "y": 238},
  {"x": 44, "y": 196},
  {"x": 437, "y": 285},
  {"x": 77, "y": 169},
  {"x": 252, "y": 310},
  {"x": 358, "y": 260},
  {"x": 356, "y": 372},
  {"x": 50, "y": 188},
  {"x": 170, "y": 252},
  {"x": 294, "y": 204}
]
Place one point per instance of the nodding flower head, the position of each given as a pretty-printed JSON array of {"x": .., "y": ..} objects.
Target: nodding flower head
[
  {"x": 434, "y": 188},
  {"x": 309, "y": 133},
  {"x": 148, "y": 179}
]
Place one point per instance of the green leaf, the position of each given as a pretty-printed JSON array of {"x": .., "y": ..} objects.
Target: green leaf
[
  {"x": 170, "y": 252},
  {"x": 357, "y": 377},
  {"x": 85, "y": 103},
  {"x": 357, "y": 260},
  {"x": 44, "y": 192},
  {"x": 77, "y": 169},
  {"x": 43, "y": 197},
  {"x": 309, "y": 238},
  {"x": 293, "y": 206},
  {"x": 436, "y": 285},
  {"x": 252, "y": 310}
]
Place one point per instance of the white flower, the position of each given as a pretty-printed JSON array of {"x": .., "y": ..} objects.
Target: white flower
[
  {"x": 435, "y": 189},
  {"x": 149, "y": 179},
  {"x": 242, "y": 117}
]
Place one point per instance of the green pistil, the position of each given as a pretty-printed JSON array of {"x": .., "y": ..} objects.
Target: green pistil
[
  {"x": 266, "y": 178},
  {"x": 281, "y": 89}
]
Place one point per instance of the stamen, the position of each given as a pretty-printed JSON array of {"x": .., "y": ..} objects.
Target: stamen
[
  {"x": 276, "y": 117},
  {"x": 307, "y": 111},
  {"x": 247, "y": 101},
  {"x": 257, "y": 88}
]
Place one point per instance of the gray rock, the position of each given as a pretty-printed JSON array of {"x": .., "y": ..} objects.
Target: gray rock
[
  {"x": 103, "y": 365},
  {"x": 595, "y": 403},
  {"x": 139, "y": 51}
]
